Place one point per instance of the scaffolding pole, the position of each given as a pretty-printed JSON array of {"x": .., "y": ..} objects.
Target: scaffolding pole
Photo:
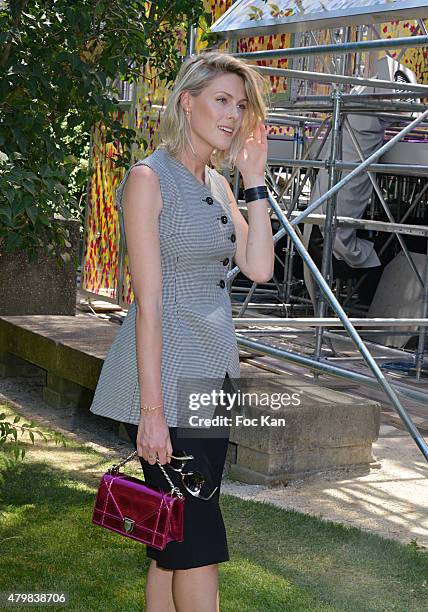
[
  {"x": 360, "y": 168},
  {"x": 321, "y": 77},
  {"x": 410, "y": 42},
  {"x": 323, "y": 285}
]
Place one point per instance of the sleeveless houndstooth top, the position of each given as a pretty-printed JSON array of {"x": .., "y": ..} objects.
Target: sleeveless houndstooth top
[{"x": 197, "y": 243}]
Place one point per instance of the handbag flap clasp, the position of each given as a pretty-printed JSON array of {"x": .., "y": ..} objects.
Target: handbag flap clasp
[{"x": 128, "y": 524}]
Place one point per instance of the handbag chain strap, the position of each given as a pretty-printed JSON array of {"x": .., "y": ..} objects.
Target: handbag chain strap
[{"x": 114, "y": 469}]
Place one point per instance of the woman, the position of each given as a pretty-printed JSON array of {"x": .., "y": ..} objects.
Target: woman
[{"x": 183, "y": 227}]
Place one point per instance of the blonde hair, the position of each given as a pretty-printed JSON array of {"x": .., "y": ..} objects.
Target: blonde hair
[{"x": 196, "y": 73}]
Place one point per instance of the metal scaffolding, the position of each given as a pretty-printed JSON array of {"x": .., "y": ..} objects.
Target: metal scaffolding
[{"x": 401, "y": 103}]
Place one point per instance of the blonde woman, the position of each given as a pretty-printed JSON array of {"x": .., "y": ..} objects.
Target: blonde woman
[{"x": 183, "y": 229}]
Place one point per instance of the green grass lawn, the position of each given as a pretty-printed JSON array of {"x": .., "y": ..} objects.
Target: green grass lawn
[{"x": 280, "y": 561}]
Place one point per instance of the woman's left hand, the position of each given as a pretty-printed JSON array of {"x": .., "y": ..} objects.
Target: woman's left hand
[{"x": 252, "y": 158}]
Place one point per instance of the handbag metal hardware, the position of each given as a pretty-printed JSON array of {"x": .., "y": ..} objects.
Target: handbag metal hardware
[
  {"x": 128, "y": 524},
  {"x": 114, "y": 469}
]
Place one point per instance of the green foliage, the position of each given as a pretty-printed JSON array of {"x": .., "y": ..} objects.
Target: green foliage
[
  {"x": 12, "y": 450},
  {"x": 280, "y": 561},
  {"x": 58, "y": 63}
]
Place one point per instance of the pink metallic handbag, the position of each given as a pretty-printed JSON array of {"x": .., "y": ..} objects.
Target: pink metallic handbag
[{"x": 130, "y": 507}]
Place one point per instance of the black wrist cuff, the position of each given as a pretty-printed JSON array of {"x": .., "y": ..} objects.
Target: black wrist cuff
[{"x": 256, "y": 193}]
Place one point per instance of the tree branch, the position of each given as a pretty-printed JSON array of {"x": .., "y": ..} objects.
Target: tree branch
[{"x": 15, "y": 23}]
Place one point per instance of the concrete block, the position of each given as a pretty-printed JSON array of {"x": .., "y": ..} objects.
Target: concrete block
[
  {"x": 122, "y": 433},
  {"x": 12, "y": 365},
  {"x": 62, "y": 393},
  {"x": 326, "y": 429},
  {"x": 44, "y": 286},
  {"x": 59, "y": 344}
]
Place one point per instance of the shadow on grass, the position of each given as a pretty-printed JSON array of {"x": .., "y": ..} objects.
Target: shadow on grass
[
  {"x": 48, "y": 542},
  {"x": 280, "y": 560},
  {"x": 340, "y": 566}
]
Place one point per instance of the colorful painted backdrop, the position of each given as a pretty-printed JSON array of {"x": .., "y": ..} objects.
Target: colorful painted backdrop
[{"x": 100, "y": 265}]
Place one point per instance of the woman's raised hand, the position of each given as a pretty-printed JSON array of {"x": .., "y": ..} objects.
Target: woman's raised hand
[{"x": 252, "y": 157}]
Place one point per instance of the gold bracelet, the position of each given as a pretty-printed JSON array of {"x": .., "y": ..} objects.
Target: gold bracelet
[{"x": 147, "y": 408}]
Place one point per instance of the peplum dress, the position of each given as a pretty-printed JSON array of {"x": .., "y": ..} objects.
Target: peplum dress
[{"x": 197, "y": 244}]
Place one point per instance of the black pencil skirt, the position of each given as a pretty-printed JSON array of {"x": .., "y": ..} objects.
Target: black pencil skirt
[{"x": 205, "y": 540}]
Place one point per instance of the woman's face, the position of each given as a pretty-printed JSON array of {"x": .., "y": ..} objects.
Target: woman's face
[{"x": 215, "y": 116}]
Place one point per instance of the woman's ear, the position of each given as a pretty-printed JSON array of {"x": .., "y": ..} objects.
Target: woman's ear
[{"x": 184, "y": 101}]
